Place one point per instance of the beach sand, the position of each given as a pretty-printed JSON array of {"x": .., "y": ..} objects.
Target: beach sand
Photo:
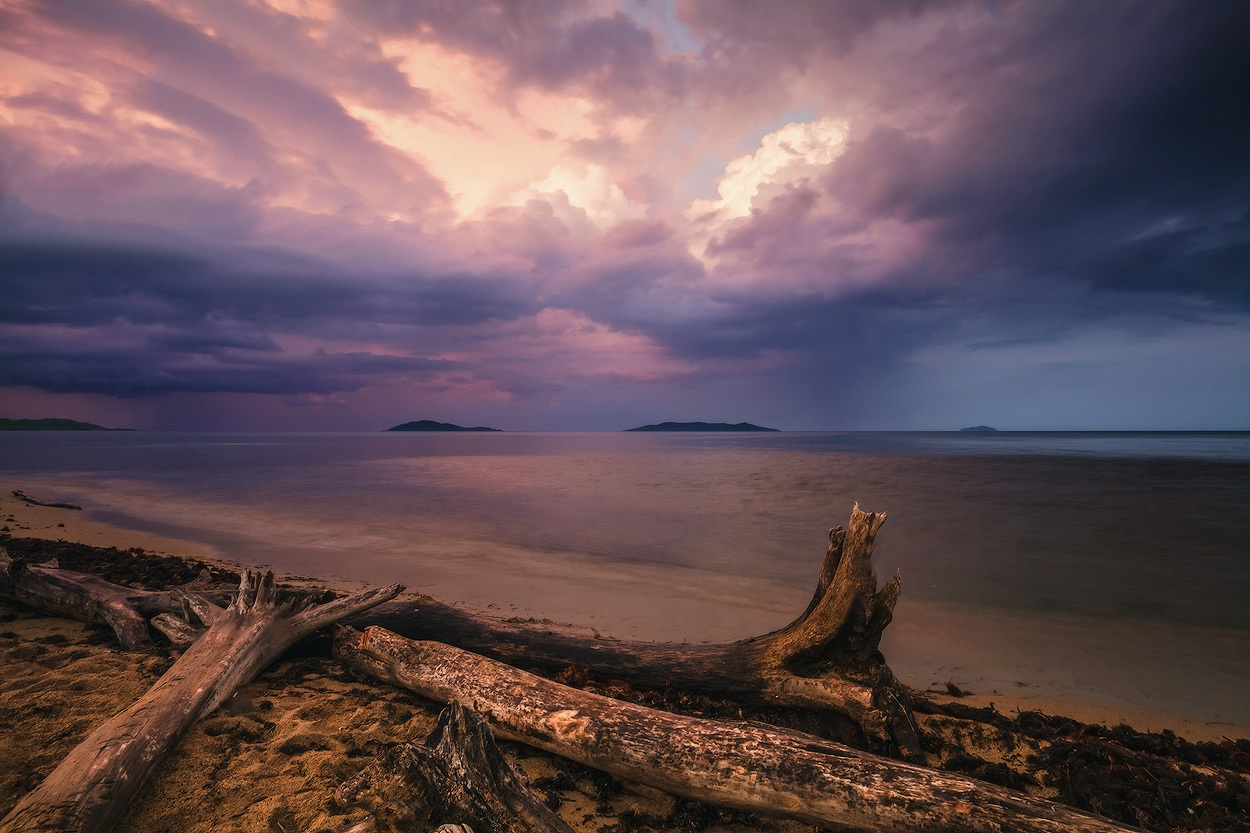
[{"x": 272, "y": 757}]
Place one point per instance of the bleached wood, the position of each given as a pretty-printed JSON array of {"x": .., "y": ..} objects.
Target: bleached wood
[
  {"x": 91, "y": 789},
  {"x": 87, "y": 598},
  {"x": 747, "y": 766},
  {"x": 826, "y": 659}
]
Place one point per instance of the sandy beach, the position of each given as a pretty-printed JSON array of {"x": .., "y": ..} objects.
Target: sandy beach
[
  {"x": 916, "y": 644},
  {"x": 272, "y": 757}
]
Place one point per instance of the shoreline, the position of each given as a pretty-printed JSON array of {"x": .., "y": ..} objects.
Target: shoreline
[
  {"x": 911, "y": 643},
  {"x": 275, "y": 755}
]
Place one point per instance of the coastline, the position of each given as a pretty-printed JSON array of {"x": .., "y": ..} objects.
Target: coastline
[
  {"x": 915, "y": 645},
  {"x": 273, "y": 757}
]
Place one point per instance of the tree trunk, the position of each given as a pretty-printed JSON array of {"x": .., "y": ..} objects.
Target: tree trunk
[
  {"x": 457, "y": 777},
  {"x": 751, "y": 767},
  {"x": 92, "y": 788},
  {"x": 87, "y": 598},
  {"x": 826, "y": 659}
]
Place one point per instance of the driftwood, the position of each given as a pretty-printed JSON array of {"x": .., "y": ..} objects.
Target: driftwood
[
  {"x": 90, "y": 598},
  {"x": 22, "y": 496},
  {"x": 87, "y": 598},
  {"x": 92, "y": 788},
  {"x": 457, "y": 777},
  {"x": 747, "y": 766},
  {"x": 826, "y": 659}
]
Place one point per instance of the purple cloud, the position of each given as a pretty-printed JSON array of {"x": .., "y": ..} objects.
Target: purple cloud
[{"x": 544, "y": 207}]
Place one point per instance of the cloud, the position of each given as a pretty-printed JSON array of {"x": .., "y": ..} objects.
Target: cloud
[
  {"x": 793, "y": 152},
  {"x": 52, "y": 283},
  {"x": 171, "y": 94},
  {"x": 594, "y": 192},
  {"x": 549, "y": 45},
  {"x": 786, "y": 158},
  {"x": 529, "y": 202},
  {"x": 127, "y": 374}
]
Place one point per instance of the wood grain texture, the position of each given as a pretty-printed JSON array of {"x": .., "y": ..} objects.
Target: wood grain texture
[
  {"x": 91, "y": 789},
  {"x": 826, "y": 659},
  {"x": 746, "y": 766}
]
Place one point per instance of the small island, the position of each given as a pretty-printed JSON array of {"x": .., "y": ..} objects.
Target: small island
[
  {"x": 431, "y": 425},
  {"x": 702, "y": 426},
  {"x": 979, "y": 428},
  {"x": 52, "y": 424}
]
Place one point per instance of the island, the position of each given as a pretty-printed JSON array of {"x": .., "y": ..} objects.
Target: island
[
  {"x": 52, "y": 424},
  {"x": 702, "y": 426},
  {"x": 431, "y": 425},
  {"x": 979, "y": 428}
]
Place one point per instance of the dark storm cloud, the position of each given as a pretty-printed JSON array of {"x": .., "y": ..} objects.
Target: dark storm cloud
[
  {"x": 133, "y": 322},
  {"x": 1049, "y": 168},
  {"x": 91, "y": 285},
  {"x": 129, "y": 373},
  {"x": 1100, "y": 147},
  {"x": 791, "y": 31},
  {"x": 1093, "y": 135}
]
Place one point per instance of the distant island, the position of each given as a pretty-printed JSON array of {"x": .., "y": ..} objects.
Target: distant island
[
  {"x": 431, "y": 425},
  {"x": 53, "y": 424},
  {"x": 702, "y": 426},
  {"x": 979, "y": 428}
]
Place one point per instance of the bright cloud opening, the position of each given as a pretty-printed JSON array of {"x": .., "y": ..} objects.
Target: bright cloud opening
[
  {"x": 786, "y": 155},
  {"x": 595, "y": 192}
]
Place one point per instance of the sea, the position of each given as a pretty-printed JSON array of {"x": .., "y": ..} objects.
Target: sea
[{"x": 1109, "y": 567}]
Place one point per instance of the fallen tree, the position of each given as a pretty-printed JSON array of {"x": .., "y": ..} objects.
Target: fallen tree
[
  {"x": 747, "y": 766},
  {"x": 826, "y": 659},
  {"x": 87, "y": 598},
  {"x": 93, "y": 786},
  {"x": 126, "y": 610}
]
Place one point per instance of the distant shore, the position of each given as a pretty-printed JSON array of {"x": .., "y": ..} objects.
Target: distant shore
[
  {"x": 703, "y": 427},
  {"x": 53, "y": 424},
  {"x": 431, "y": 425}
]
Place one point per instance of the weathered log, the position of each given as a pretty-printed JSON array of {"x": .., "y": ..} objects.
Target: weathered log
[
  {"x": 22, "y": 496},
  {"x": 90, "y": 598},
  {"x": 91, "y": 789},
  {"x": 87, "y": 598},
  {"x": 748, "y": 766},
  {"x": 457, "y": 777},
  {"x": 826, "y": 659},
  {"x": 177, "y": 630}
]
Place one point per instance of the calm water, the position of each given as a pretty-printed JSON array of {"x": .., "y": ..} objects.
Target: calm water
[{"x": 1113, "y": 528}]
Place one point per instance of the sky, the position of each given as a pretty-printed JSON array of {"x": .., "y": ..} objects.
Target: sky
[{"x": 587, "y": 216}]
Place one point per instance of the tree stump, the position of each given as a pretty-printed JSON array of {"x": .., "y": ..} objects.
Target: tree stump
[{"x": 457, "y": 777}]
